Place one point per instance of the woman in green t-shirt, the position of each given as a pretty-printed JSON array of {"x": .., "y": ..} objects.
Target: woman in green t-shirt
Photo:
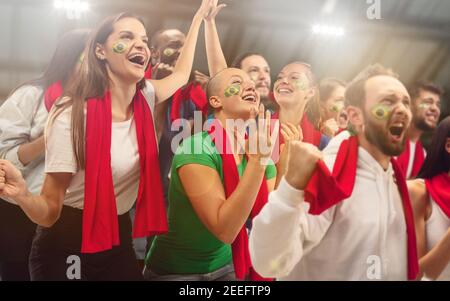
[{"x": 213, "y": 193}]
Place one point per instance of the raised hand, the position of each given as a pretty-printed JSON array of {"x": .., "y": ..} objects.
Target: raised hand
[
  {"x": 214, "y": 10},
  {"x": 301, "y": 163},
  {"x": 330, "y": 127},
  {"x": 261, "y": 139},
  {"x": 201, "y": 79},
  {"x": 12, "y": 184},
  {"x": 205, "y": 9},
  {"x": 291, "y": 132}
]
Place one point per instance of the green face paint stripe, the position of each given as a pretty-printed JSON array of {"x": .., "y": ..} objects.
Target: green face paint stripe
[
  {"x": 381, "y": 112},
  {"x": 120, "y": 47},
  {"x": 232, "y": 90}
]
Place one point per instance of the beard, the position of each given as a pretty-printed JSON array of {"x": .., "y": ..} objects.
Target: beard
[
  {"x": 421, "y": 124},
  {"x": 379, "y": 136}
]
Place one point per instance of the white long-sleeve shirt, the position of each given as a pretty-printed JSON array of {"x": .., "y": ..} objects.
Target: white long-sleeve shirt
[
  {"x": 361, "y": 238},
  {"x": 22, "y": 119}
]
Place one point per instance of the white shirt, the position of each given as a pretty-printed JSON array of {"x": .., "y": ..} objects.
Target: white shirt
[
  {"x": 412, "y": 153},
  {"x": 22, "y": 119},
  {"x": 124, "y": 158},
  {"x": 436, "y": 228},
  {"x": 361, "y": 238}
]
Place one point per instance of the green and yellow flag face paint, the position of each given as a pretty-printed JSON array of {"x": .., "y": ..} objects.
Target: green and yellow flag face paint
[
  {"x": 424, "y": 106},
  {"x": 381, "y": 112},
  {"x": 168, "y": 52},
  {"x": 337, "y": 107},
  {"x": 301, "y": 83},
  {"x": 232, "y": 90},
  {"x": 120, "y": 47}
]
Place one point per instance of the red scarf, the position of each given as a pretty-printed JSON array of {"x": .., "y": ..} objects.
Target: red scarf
[
  {"x": 403, "y": 159},
  {"x": 51, "y": 94},
  {"x": 148, "y": 72},
  {"x": 439, "y": 189},
  {"x": 326, "y": 189},
  {"x": 194, "y": 92},
  {"x": 240, "y": 249},
  {"x": 310, "y": 134},
  {"x": 100, "y": 223}
]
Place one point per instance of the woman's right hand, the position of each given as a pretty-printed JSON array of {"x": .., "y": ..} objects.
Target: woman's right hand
[{"x": 12, "y": 184}]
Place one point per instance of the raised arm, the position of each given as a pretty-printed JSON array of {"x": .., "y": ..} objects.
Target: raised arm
[
  {"x": 166, "y": 87},
  {"x": 214, "y": 53}
]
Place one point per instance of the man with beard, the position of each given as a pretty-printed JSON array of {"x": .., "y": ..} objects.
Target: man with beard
[
  {"x": 355, "y": 222},
  {"x": 256, "y": 66},
  {"x": 426, "y": 109}
]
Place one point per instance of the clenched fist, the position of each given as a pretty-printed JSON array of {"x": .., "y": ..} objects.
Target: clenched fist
[
  {"x": 12, "y": 184},
  {"x": 301, "y": 163}
]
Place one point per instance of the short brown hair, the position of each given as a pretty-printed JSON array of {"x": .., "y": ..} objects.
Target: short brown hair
[
  {"x": 423, "y": 85},
  {"x": 356, "y": 92}
]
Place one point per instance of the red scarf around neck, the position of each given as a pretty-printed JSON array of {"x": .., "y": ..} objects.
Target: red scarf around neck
[
  {"x": 51, "y": 94},
  {"x": 100, "y": 224},
  {"x": 326, "y": 189},
  {"x": 310, "y": 134},
  {"x": 193, "y": 92},
  {"x": 241, "y": 254},
  {"x": 439, "y": 189},
  {"x": 419, "y": 158}
]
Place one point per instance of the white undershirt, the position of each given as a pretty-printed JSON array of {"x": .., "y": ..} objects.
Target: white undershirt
[
  {"x": 124, "y": 158},
  {"x": 436, "y": 228},
  {"x": 412, "y": 152}
]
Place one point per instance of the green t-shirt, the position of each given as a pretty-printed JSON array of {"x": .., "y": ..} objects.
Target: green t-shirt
[{"x": 189, "y": 247}]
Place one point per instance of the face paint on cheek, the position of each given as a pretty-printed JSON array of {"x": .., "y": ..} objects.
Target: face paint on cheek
[
  {"x": 168, "y": 52},
  {"x": 424, "y": 106},
  {"x": 120, "y": 47},
  {"x": 253, "y": 76},
  {"x": 337, "y": 107},
  {"x": 232, "y": 90},
  {"x": 380, "y": 112},
  {"x": 302, "y": 83},
  {"x": 81, "y": 58}
]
